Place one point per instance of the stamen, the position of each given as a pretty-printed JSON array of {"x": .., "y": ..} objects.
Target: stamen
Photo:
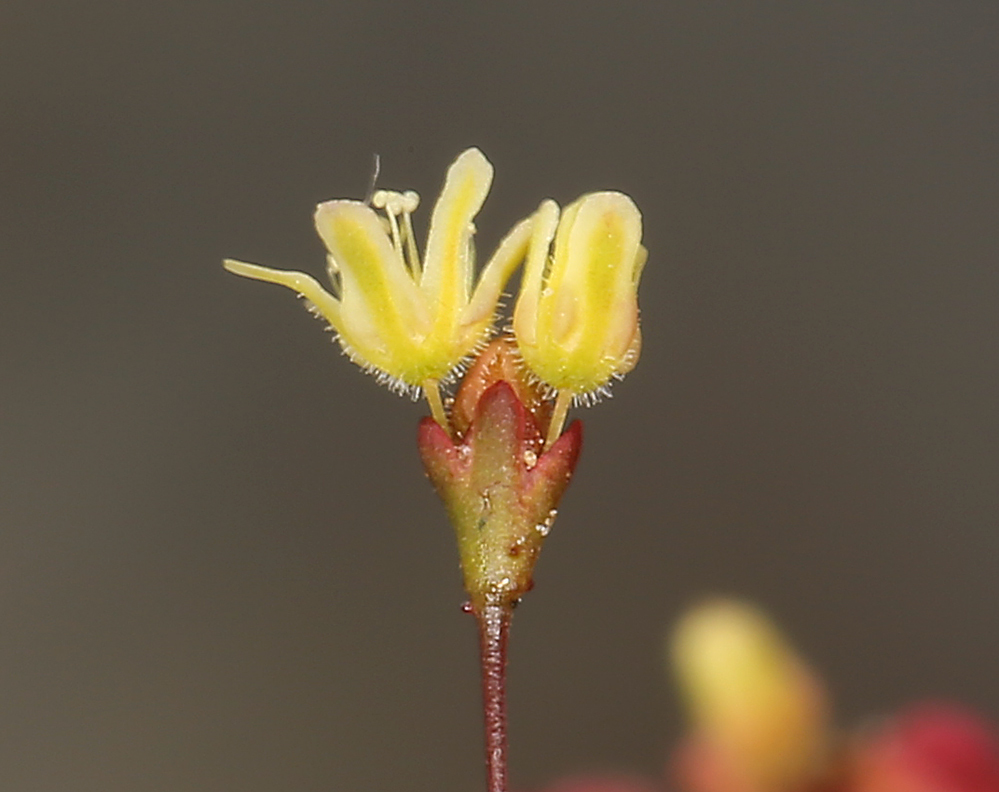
[
  {"x": 410, "y": 202},
  {"x": 396, "y": 236},
  {"x": 395, "y": 204}
]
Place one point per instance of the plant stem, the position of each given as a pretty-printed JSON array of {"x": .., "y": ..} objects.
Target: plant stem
[
  {"x": 562, "y": 404},
  {"x": 494, "y": 628},
  {"x": 431, "y": 389}
]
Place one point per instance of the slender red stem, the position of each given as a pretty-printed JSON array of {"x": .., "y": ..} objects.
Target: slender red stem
[{"x": 494, "y": 628}]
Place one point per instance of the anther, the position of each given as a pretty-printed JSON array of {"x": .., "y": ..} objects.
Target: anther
[
  {"x": 410, "y": 201},
  {"x": 396, "y": 204}
]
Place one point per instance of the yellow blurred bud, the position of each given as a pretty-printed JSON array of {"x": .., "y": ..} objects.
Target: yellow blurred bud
[
  {"x": 759, "y": 714},
  {"x": 576, "y": 319}
]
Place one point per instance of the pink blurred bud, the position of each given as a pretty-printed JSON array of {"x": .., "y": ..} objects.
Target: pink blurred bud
[{"x": 932, "y": 747}]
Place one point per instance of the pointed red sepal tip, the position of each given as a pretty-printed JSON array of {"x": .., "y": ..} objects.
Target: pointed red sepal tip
[
  {"x": 500, "y": 408},
  {"x": 547, "y": 480},
  {"x": 434, "y": 437},
  {"x": 567, "y": 448},
  {"x": 500, "y": 394},
  {"x": 441, "y": 458}
]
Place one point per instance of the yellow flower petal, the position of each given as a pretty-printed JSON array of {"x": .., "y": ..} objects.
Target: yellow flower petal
[
  {"x": 383, "y": 317},
  {"x": 450, "y": 258}
]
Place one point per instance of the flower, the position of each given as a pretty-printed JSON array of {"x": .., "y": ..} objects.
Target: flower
[
  {"x": 412, "y": 323},
  {"x": 497, "y": 458},
  {"x": 576, "y": 320}
]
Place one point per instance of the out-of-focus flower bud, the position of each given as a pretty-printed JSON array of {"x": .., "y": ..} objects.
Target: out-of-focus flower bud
[
  {"x": 576, "y": 319},
  {"x": 759, "y": 714}
]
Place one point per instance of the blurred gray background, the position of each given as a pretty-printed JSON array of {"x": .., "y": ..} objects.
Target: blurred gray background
[{"x": 221, "y": 567}]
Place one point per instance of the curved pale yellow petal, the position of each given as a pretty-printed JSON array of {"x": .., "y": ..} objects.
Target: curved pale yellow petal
[
  {"x": 383, "y": 318},
  {"x": 374, "y": 279},
  {"x": 450, "y": 259},
  {"x": 525, "y": 316},
  {"x": 506, "y": 259}
]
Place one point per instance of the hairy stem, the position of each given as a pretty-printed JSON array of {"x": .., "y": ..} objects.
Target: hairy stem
[{"x": 494, "y": 628}]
